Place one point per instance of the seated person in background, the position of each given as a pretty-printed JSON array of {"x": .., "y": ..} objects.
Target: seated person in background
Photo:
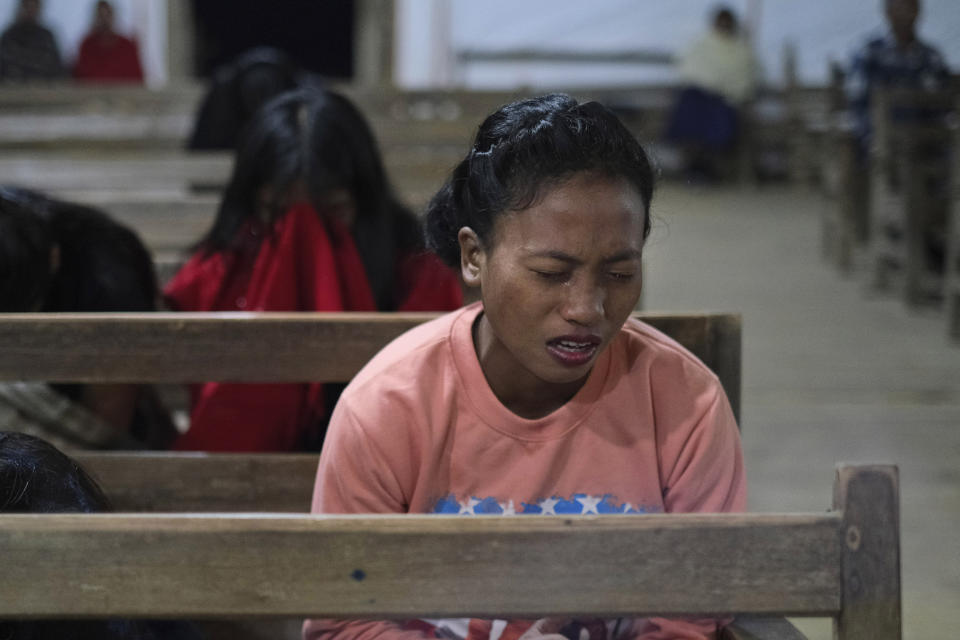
[
  {"x": 28, "y": 50},
  {"x": 105, "y": 55},
  {"x": 545, "y": 397},
  {"x": 37, "y": 478},
  {"x": 57, "y": 256},
  {"x": 237, "y": 90},
  {"x": 720, "y": 73},
  {"x": 308, "y": 222},
  {"x": 897, "y": 59}
]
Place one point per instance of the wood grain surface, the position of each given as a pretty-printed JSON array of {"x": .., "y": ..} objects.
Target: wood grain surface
[
  {"x": 266, "y": 347},
  {"x": 209, "y": 482},
  {"x": 418, "y": 566},
  {"x": 869, "y": 499}
]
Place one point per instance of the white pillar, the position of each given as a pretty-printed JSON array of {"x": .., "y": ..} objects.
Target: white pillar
[
  {"x": 424, "y": 44},
  {"x": 373, "y": 43},
  {"x": 181, "y": 41}
]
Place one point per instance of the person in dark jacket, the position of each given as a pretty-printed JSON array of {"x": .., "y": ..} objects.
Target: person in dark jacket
[{"x": 28, "y": 50}]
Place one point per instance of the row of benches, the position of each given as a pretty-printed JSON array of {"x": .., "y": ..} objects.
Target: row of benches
[
  {"x": 888, "y": 218},
  {"x": 843, "y": 564},
  {"x": 100, "y": 147}
]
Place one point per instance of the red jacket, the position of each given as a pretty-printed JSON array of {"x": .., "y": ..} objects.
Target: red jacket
[
  {"x": 299, "y": 267},
  {"x": 108, "y": 57}
]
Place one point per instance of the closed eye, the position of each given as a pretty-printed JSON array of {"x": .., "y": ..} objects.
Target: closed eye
[
  {"x": 624, "y": 276},
  {"x": 552, "y": 276}
]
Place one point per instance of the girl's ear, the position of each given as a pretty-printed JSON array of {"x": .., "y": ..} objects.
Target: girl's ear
[{"x": 472, "y": 256}]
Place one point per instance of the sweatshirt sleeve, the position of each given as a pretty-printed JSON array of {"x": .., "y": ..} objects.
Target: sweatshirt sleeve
[
  {"x": 354, "y": 476},
  {"x": 701, "y": 471},
  {"x": 702, "y": 464}
]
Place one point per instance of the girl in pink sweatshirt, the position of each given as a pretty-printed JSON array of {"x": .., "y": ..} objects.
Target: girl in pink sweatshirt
[{"x": 544, "y": 397}]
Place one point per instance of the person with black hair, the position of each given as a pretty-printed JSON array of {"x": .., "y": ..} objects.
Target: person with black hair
[
  {"x": 545, "y": 397},
  {"x": 59, "y": 257},
  {"x": 308, "y": 222},
  {"x": 36, "y": 477},
  {"x": 238, "y": 90}
]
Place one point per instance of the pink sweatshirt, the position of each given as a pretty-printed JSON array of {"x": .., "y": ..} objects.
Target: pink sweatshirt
[{"x": 420, "y": 431}]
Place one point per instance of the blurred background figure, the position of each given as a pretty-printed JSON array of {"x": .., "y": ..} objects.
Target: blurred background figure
[
  {"x": 308, "y": 222},
  {"x": 28, "y": 50},
  {"x": 896, "y": 59},
  {"x": 237, "y": 90},
  {"x": 57, "y": 256},
  {"x": 719, "y": 73},
  {"x": 105, "y": 55}
]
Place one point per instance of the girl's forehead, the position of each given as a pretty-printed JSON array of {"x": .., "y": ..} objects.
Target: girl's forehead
[
  {"x": 585, "y": 200},
  {"x": 584, "y": 189}
]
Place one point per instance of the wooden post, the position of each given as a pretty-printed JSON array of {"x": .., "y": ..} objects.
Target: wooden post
[{"x": 868, "y": 497}]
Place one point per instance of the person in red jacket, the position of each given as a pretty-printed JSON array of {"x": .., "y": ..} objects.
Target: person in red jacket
[
  {"x": 105, "y": 55},
  {"x": 308, "y": 222}
]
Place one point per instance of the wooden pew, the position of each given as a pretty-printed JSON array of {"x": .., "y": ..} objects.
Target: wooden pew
[
  {"x": 844, "y": 564},
  {"x": 844, "y": 222},
  {"x": 115, "y": 120},
  {"x": 167, "y": 223},
  {"x": 171, "y": 172},
  {"x": 70, "y": 97},
  {"x": 82, "y": 117},
  {"x": 171, "y": 175},
  {"x": 177, "y": 348},
  {"x": 171, "y": 347},
  {"x": 843, "y": 176},
  {"x": 88, "y": 119},
  {"x": 814, "y": 113},
  {"x": 909, "y": 182},
  {"x": 159, "y": 348},
  {"x": 203, "y": 482}
]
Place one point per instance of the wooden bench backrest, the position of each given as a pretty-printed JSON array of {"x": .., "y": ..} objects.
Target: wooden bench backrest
[
  {"x": 187, "y": 482},
  {"x": 171, "y": 348},
  {"x": 265, "y": 347},
  {"x": 843, "y": 564}
]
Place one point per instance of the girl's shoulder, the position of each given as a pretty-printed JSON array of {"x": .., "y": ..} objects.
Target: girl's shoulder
[
  {"x": 419, "y": 355},
  {"x": 644, "y": 344}
]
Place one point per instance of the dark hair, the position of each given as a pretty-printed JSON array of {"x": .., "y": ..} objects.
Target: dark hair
[
  {"x": 237, "y": 90},
  {"x": 36, "y": 477},
  {"x": 319, "y": 138},
  {"x": 26, "y": 246},
  {"x": 103, "y": 265},
  {"x": 522, "y": 148},
  {"x": 725, "y": 14}
]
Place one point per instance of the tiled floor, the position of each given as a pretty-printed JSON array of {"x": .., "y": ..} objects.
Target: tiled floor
[{"x": 831, "y": 373}]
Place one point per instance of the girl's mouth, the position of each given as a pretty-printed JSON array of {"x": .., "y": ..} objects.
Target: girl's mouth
[{"x": 573, "y": 351}]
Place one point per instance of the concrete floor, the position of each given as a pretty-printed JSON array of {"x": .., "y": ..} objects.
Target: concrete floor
[{"x": 831, "y": 373}]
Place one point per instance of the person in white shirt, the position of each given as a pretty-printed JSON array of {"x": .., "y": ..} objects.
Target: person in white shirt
[{"x": 719, "y": 75}]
